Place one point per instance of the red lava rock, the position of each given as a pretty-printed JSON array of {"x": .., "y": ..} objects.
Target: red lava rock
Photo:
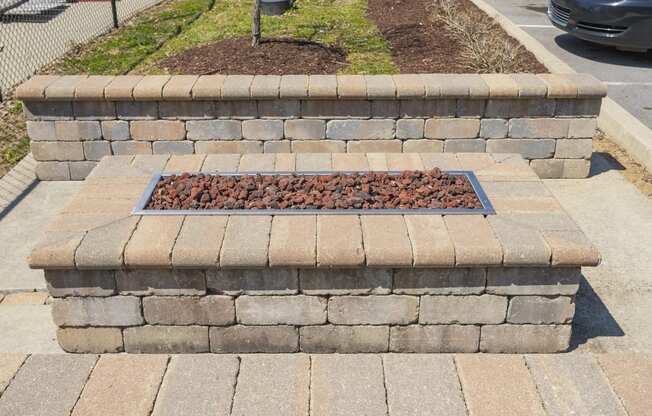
[{"x": 369, "y": 190}]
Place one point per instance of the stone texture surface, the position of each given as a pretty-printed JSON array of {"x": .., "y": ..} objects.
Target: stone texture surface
[
  {"x": 143, "y": 282},
  {"x": 205, "y": 310},
  {"x": 344, "y": 339},
  {"x": 90, "y": 340},
  {"x": 273, "y": 384},
  {"x": 373, "y": 310},
  {"x": 629, "y": 377},
  {"x": 281, "y": 310},
  {"x": 484, "y": 309},
  {"x": 540, "y": 310},
  {"x": 9, "y": 366},
  {"x": 347, "y": 385},
  {"x": 573, "y": 384},
  {"x": 339, "y": 241},
  {"x": 158, "y": 339},
  {"x": 498, "y": 385},
  {"x": 134, "y": 379},
  {"x": 287, "y": 231},
  {"x": 429, "y": 240},
  {"x": 474, "y": 241},
  {"x": 111, "y": 311},
  {"x": 254, "y": 339},
  {"x": 200, "y": 385},
  {"x": 47, "y": 385},
  {"x": 434, "y": 338},
  {"x": 533, "y": 281},
  {"x": 439, "y": 281},
  {"x": 420, "y": 385},
  {"x": 386, "y": 240},
  {"x": 253, "y": 281},
  {"x": 345, "y": 281},
  {"x": 246, "y": 241},
  {"x": 524, "y": 338}
]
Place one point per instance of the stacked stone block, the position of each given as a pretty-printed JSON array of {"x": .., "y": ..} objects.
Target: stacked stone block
[
  {"x": 76, "y": 120},
  {"x": 338, "y": 310}
]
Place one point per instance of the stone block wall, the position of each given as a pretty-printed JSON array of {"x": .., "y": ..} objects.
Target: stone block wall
[
  {"x": 496, "y": 310},
  {"x": 74, "y": 121}
]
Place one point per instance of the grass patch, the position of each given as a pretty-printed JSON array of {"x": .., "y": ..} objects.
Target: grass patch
[
  {"x": 121, "y": 50},
  {"x": 14, "y": 144},
  {"x": 341, "y": 23}
]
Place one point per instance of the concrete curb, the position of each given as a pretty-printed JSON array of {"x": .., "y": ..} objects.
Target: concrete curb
[
  {"x": 15, "y": 184},
  {"x": 616, "y": 122}
]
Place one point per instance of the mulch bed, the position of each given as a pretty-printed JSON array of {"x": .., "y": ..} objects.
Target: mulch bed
[
  {"x": 373, "y": 190},
  {"x": 421, "y": 45},
  {"x": 271, "y": 57}
]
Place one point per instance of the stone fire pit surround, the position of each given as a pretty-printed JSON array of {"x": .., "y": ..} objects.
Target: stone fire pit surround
[
  {"x": 313, "y": 283},
  {"x": 74, "y": 121}
]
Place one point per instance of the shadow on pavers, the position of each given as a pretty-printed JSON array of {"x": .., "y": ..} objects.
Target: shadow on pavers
[
  {"x": 592, "y": 317},
  {"x": 603, "y": 162}
]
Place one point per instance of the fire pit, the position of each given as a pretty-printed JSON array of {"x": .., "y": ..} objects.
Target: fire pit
[{"x": 291, "y": 193}]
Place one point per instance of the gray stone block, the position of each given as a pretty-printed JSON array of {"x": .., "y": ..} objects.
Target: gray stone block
[
  {"x": 332, "y": 109},
  {"x": 186, "y": 110},
  {"x": 484, "y": 309},
  {"x": 64, "y": 283},
  {"x": 583, "y": 107},
  {"x": 48, "y": 110},
  {"x": 440, "y": 281},
  {"x": 344, "y": 339},
  {"x": 423, "y": 146},
  {"x": 253, "y": 281},
  {"x": 41, "y": 130},
  {"x": 465, "y": 146},
  {"x": 524, "y": 339},
  {"x": 96, "y": 150},
  {"x": 189, "y": 310},
  {"x": 384, "y": 109},
  {"x": 53, "y": 171},
  {"x": 305, "y": 129},
  {"x": 80, "y": 170},
  {"x": 57, "y": 151},
  {"x": 540, "y": 310},
  {"x": 514, "y": 281},
  {"x": 115, "y": 130},
  {"x": 283, "y": 109},
  {"x": 538, "y": 128},
  {"x": 277, "y": 146},
  {"x": 528, "y": 148},
  {"x": 409, "y": 129},
  {"x": 262, "y": 129},
  {"x": 574, "y": 149},
  {"x": 173, "y": 148},
  {"x": 92, "y": 311},
  {"x": 94, "y": 110},
  {"x": 427, "y": 108},
  {"x": 361, "y": 281},
  {"x": 434, "y": 338},
  {"x": 161, "y": 282},
  {"x": 243, "y": 339},
  {"x": 77, "y": 130},
  {"x": 131, "y": 147},
  {"x": 137, "y": 110},
  {"x": 360, "y": 129},
  {"x": 470, "y": 108},
  {"x": 214, "y": 130},
  {"x": 166, "y": 339},
  {"x": 373, "y": 310},
  {"x": 281, "y": 310},
  {"x": 493, "y": 128}
]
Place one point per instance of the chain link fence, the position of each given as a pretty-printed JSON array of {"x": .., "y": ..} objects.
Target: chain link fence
[{"x": 34, "y": 33}]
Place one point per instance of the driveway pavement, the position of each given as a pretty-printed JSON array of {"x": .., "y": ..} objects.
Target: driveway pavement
[{"x": 628, "y": 75}]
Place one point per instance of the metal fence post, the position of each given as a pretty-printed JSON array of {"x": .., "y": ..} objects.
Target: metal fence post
[{"x": 114, "y": 11}]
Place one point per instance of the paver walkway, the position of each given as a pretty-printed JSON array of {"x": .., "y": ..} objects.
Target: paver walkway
[{"x": 328, "y": 385}]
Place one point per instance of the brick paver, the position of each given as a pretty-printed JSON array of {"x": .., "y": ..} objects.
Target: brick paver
[
  {"x": 198, "y": 385},
  {"x": 122, "y": 385},
  {"x": 630, "y": 377},
  {"x": 47, "y": 385},
  {"x": 272, "y": 385},
  {"x": 347, "y": 385},
  {"x": 9, "y": 365}
]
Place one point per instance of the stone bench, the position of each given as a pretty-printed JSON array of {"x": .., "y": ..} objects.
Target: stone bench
[
  {"x": 313, "y": 283},
  {"x": 549, "y": 119}
]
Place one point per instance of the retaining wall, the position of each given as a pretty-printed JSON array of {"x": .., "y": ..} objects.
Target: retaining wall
[{"x": 76, "y": 120}]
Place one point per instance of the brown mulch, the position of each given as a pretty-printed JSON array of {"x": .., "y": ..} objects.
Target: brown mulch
[
  {"x": 419, "y": 44},
  {"x": 271, "y": 57},
  {"x": 373, "y": 190}
]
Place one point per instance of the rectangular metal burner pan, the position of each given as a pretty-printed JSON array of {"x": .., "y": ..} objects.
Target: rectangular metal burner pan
[{"x": 487, "y": 207}]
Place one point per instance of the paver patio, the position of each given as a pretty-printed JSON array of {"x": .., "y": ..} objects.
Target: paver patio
[{"x": 329, "y": 385}]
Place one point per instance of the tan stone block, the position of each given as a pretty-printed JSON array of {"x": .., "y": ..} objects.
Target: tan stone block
[
  {"x": 150, "y": 88},
  {"x": 305, "y": 129},
  {"x": 374, "y": 146},
  {"x": 540, "y": 310},
  {"x": 339, "y": 241},
  {"x": 380, "y": 87},
  {"x": 208, "y": 87},
  {"x": 313, "y": 162},
  {"x": 277, "y": 146},
  {"x": 588, "y": 85},
  {"x": 221, "y": 163},
  {"x": 434, "y": 338},
  {"x": 34, "y": 88},
  {"x": 179, "y": 87},
  {"x": 135, "y": 379},
  {"x": 474, "y": 241},
  {"x": 360, "y": 129},
  {"x": 582, "y": 128},
  {"x": 409, "y": 86},
  {"x": 55, "y": 251},
  {"x": 103, "y": 247},
  {"x": 576, "y": 168},
  {"x": 254, "y": 339},
  {"x": 293, "y": 241},
  {"x": 92, "y": 87},
  {"x": 404, "y": 161},
  {"x": 440, "y": 160},
  {"x": 524, "y": 339},
  {"x": 522, "y": 245},
  {"x": 344, "y": 339},
  {"x": 386, "y": 241},
  {"x": 58, "y": 151},
  {"x": 131, "y": 147},
  {"x": 373, "y": 310},
  {"x": 498, "y": 385},
  {"x": 571, "y": 248},
  {"x": 121, "y": 88},
  {"x": 409, "y": 129},
  {"x": 189, "y": 310},
  {"x": 265, "y": 86},
  {"x": 318, "y": 146},
  {"x": 240, "y": 146},
  {"x": 262, "y": 129},
  {"x": 246, "y": 242},
  {"x": 452, "y": 128},
  {"x": 474, "y": 310},
  {"x": 257, "y": 163},
  {"x": 281, "y": 310},
  {"x": 322, "y": 86},
  {"x": 527, "y": 281},
  {"x": 501, "y": 85},
  {"x": 530, "y": 86},
  {"x": 92, "y": 311},
  {"x": 41, "y": 130},
  {"x": 351, "y": 87},
  {"x": 158, "y": 130},
  {"x": 629, "y": 376},
  {"x": 431, "y": 245},
  {"x": 90, "y": 340},
  {"x": 151, "y": 244},
  {"x": 162, "y": 147},
  {"x": 343, "y": 162},
  {"x": 559, "y": 86},
  {"x": 294, "y": 86},
  {"x": 184, "y": 163},
  {"x": 63, "y": 88},
  {"x": 159, "y": 339},
  {"x": 285, "y": 162},
  {"x": 77, "y": 130},
  {"x": 192, "y": 252}
]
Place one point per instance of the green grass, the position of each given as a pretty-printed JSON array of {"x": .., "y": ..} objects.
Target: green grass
[
  {"x": 121, "y": 50},
  {"x": 14, "y": 144}
]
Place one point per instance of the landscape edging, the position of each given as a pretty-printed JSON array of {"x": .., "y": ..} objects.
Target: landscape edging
[{"x": 616, "y": 122}]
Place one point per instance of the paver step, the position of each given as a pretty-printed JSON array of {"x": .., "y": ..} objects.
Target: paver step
[{"x": 326, "y": 384}]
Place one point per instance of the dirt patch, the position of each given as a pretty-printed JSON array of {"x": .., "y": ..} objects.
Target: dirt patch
[
  {"x": 633, "y": 171},
  {"x": 408, "y": 190},
  {"x": 271, "y": 57},
  {"x": 421, "y": 43}
]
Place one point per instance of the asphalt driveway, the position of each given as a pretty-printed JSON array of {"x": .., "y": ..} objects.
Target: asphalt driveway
[{"x": 628, "y": 74}]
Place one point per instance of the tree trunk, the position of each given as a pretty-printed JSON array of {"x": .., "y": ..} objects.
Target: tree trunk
[{"x": 255, "y": 38}]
